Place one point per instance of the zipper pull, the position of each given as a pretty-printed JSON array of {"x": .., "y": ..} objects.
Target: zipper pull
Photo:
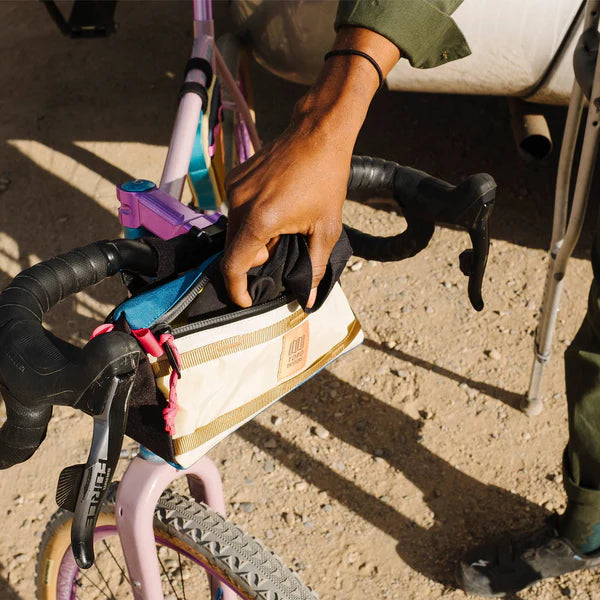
[{"x": 172, "y": 358}]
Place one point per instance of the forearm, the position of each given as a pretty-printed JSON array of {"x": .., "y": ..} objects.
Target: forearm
[{"x": 338, "y": 102}]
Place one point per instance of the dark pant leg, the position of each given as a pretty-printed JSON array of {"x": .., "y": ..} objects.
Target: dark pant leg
[{"x": 581, "y": 462}]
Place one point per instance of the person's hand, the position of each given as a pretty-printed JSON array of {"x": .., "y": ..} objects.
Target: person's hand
[{"x": 297, "y": 184}]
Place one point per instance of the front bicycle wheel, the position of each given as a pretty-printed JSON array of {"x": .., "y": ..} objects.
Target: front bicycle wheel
[{"x": 188, "y": 535}]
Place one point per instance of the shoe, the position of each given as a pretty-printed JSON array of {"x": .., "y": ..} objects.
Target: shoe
[{"x": 497, "y": 569}]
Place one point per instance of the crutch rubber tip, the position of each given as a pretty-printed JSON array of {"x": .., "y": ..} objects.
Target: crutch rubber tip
[{"x": 531, "y": 406}]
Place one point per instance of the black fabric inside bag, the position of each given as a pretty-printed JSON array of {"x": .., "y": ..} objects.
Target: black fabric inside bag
[{"x": 287, "y": 271}]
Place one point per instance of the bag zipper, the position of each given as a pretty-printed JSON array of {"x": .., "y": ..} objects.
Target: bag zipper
[
  {"x": 237, "y": 315},
  {"x": 182, "y": 303}
]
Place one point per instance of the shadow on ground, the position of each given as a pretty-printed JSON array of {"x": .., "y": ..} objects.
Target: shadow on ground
[
  {"x": 459, "y": 502},
  {"x": 6, "y": 590}
]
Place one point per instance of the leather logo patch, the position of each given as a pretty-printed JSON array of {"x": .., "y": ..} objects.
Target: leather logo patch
[{"x": 294, "y": 352}]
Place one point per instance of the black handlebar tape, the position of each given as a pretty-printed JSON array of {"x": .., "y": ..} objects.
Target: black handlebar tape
[
  {"x": 37, "y": 369},
  {"x": 376, "y": 177},
  {"x": 36, "y": 290},
  {"x": 23, "y": 432},
  {"x": 391, "y": 248},
  {"x": 373, "y": 176}
]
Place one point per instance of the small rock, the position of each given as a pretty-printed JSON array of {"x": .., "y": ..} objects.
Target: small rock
[
  {"x": 367, "y": 569},
  {"x": 300, "y": 486},
  {"x": 289, "y": 518},
  {"x": 269, "y": 534},
  {"x": 247, "y": 507},
  {"x": 526, "y": 435},
  {"x": 268, "y": 466},
  {"x": 21, "y": 558},
  {"x": 308, "y": 524},
  {"x": 327, "y": 508},
  {"x": 271, "y": 443},
  {"x": 494, "y": 354},
  {"x": 320, "y": 432},
  {"x": 248, "y": 481},
  {"x": 399, "y": 372},
  {"x": 277, "y": 421},
  {"x": 426, "y": 414},
  {"x": 390, "y": 344},
  {"x": 357, "y": 266}
]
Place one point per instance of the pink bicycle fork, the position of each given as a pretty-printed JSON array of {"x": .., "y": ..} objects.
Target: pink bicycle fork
[{"x": 139, "y": 490}]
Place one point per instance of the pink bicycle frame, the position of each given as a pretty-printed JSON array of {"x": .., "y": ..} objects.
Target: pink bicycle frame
[
  {"x": 188, "y": 113},
  {"x": 147, "y": 476}
]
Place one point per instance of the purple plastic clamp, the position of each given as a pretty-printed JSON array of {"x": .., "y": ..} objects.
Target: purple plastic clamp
[{"x": 144, "y": 205}]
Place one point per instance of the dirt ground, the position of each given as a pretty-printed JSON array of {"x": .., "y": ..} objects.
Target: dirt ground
[{"x": 375, "y": 476}]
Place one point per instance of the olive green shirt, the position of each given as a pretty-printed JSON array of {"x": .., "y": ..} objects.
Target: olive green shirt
[{"x": 423, "y": 29}]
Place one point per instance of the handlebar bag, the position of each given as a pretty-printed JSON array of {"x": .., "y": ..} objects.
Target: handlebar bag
[{"x": 212, "y": 366}]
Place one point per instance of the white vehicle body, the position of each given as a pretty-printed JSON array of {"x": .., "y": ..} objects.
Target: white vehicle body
[{"x": 520, "y": 48}]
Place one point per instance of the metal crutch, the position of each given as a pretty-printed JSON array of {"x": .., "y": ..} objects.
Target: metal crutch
[{"x": 566, "y": 226}]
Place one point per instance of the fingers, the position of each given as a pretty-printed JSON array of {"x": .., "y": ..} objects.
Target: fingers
[
  {"x": 245, "y": 251},
  {"x": 320, "y": 245}
]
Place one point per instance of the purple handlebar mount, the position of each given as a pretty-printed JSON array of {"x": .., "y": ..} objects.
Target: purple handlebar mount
[{"x": 144, "y": 205}]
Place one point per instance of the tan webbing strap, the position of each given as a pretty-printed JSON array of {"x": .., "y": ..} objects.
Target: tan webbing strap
[
  {"x": 237, "y": 343},
  {"x": 225, "y": 422}
]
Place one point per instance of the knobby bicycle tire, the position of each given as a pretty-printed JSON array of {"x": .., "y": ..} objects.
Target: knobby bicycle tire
[{"x": 191, "y": 530}]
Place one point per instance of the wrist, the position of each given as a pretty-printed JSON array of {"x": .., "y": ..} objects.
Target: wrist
[
  {"x": 340, "y": 98},
  {"x": 338, "y": 101}
]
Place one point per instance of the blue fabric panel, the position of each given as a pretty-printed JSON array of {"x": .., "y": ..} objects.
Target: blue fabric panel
[
  {"x": 198, "y": 174},
  {"x": 143, "y": 310}
]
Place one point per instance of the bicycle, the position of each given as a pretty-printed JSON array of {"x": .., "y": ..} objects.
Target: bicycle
[{"x": 185, "y": 526}]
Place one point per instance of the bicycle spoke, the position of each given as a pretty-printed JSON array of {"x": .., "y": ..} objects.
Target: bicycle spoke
[
  {"x": 112, "y": 596},
  {"x": 167, "y": 576},
  {"x": 84, "y": 575},
  {"x": 116, "y": 562}
]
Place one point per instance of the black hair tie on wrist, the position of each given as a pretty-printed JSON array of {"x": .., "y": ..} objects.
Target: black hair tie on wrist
[{"x": 353, "y": 52}]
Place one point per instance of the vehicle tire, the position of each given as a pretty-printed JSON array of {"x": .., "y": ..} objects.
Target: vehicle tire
[{"x": 191, "y": 532}]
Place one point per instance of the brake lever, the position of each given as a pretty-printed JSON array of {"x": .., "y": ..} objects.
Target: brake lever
[
  {"x": 473, "y": 262},
  {"x": 82, "y": 488},
  {"x": 467, "y": 206}
]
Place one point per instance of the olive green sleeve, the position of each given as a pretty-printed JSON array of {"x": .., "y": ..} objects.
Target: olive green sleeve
[{"x": 423, "y": 29}]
